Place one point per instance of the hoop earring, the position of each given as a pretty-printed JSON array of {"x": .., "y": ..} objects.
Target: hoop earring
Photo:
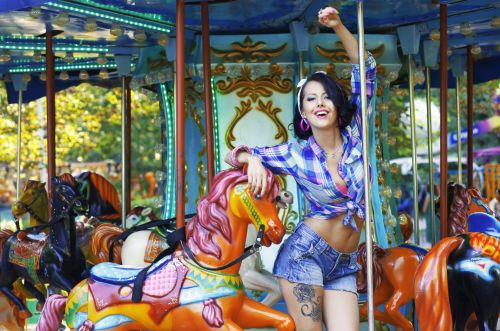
[{"x": 304, "y": 124}]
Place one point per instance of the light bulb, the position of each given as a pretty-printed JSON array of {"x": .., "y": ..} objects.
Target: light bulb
[
  {"x": 475, "y": 49},
  {"x": 102, "y": 59},
  {"x": 62, "y": 19},
  {"x": 5, "y": 56},
  {"x": 91, "y": 24},
  {"x": 103, "y": 74},
  {"x": 116, "y": 30},
  {"x": 43, "y": 76},
  {"x": 84, "y": 75},
  {"x": 162, "y": 39},
  {"x": 435, "y": 35},
  {"x": 37, "y": 56},
  {"x": 35, "y": 12},
  {"x": 140, "y": 36},
  {"x": 466, "y": 29},
  {"x": 64, "y": 75},
  {"x": 69, "y": 58}
]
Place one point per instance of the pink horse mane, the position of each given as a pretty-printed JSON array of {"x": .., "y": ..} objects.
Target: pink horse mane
[{"x": 211, "y": 219}]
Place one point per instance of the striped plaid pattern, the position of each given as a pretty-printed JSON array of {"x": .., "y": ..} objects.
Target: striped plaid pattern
[{"x": 306, "y": 162}]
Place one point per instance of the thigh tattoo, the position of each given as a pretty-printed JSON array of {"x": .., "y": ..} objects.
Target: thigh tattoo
[{"x": 311, "y": 307}]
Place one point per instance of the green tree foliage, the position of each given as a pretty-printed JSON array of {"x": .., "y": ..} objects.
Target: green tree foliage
[{"x": 88, "y": 128}]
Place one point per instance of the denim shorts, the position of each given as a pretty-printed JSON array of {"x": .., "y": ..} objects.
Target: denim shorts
[{"x": 306, "y": 258}]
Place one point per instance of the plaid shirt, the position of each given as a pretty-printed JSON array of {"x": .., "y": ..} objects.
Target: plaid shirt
[{"x": 306, "y": 162}]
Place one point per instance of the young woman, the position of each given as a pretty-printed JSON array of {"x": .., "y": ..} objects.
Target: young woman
[{"x": 317, "y": 265}]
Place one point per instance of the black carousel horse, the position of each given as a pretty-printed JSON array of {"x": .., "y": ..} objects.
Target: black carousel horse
[
  {"x": 101, "y": 196},
  {"x": 461, "y": 274},
  {"x": 41, "y": 258}
]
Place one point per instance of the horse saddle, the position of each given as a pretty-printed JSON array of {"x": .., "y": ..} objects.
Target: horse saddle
[
  {"x": 111, "y": 284},
  {"x": 484, "y": 223},
  {"x": 26, "y": 250}
]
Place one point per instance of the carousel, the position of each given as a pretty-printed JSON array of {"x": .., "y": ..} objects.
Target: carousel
[{"x": 224, "y": 74}]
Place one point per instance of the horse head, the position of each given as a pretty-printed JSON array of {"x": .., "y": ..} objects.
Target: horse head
[
  {"x": 261, "y": 211},
  {"x": 32, "y": 200},
  {"x": 66, "y": 197},
  {"x": 462, "y": 202},
  {"x": 228, "y": 205}
]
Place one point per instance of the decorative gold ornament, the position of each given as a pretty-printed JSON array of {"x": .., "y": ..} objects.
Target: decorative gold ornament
[
  {"x": 248, "y": 51},
  {"x": 381, "y": 179},
  {"x": 339, "y": 54},
  {"x": 397, "y": 193},
  {"x": 394, "y": 168},
  {"x": 260, "y": 87},
  {"x": 378, "y": 151}
]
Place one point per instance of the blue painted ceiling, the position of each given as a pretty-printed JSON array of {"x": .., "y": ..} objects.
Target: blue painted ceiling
[{"x": 469, "y": 21}]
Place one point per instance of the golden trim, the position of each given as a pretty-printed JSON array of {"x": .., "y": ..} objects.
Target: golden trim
[
  {"x": 339, "y": 54},
  {"x": 262, "y": 86},
  {"x": 248, "y": 51},
  {"x": 245, "y": 108},
  {"x": 266, "y": 108}
]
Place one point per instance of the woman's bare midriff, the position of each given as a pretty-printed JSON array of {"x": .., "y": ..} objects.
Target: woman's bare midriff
[{"x": 342, "y": 238}]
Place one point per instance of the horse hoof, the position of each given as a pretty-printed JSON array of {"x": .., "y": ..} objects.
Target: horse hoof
[{"x": 24, "y": 314}]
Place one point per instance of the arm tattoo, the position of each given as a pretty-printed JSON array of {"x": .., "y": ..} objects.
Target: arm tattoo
[{"x": 311, "y": 307}]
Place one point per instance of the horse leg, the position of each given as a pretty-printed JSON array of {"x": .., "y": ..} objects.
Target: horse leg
[
  {"x": 255, "y": 280},
  {"x": 23, "y": 310},
  {"x": 392, "y": 307},
  {"x": 58, "y": 279},
  {"x": 381, "y": 295},
  {"x": 254, "y": 314},
  {"x": 36, "y": 293}
]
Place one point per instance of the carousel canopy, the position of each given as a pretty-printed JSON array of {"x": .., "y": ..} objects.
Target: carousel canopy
[{"x": 101, "y": 39}]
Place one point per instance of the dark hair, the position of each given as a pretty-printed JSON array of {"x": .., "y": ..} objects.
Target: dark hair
[{"x": 345, "y": 108}]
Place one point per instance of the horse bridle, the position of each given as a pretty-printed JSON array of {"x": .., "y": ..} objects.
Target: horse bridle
[{"x": 29, "y": 209}]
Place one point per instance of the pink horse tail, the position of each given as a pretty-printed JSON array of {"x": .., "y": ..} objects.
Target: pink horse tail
[
  {"x": 431, "y": 287},
  {"x": 52, "y": 313}
]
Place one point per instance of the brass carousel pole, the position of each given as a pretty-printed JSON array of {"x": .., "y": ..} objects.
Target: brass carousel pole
[{"x": 366, "y": 165}]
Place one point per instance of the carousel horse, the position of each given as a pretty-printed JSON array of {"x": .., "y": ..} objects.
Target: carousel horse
[
  {"x": 393, "y": 272},
  {"x": 140, "y": 248},
  {"x": 101, "y": 196},
  {"x": 41, "y": 258},
  {"x": 33, "y": 200},
  {"x": 460, "y": 277},
  {"x": 197, "y": 288},
  {"x": 394, "y": 268}
]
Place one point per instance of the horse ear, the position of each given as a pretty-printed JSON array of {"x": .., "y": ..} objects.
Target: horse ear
[{"x": 41, "y": 185}]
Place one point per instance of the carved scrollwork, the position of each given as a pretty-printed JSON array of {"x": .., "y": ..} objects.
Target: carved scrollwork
[
  {"x": 339, "y": 54},
  {"x": 262, "y": 86},
  {"x": 248, "y": 51}
]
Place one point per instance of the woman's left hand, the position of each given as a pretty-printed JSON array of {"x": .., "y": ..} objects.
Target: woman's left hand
[{"x": 329, "y": 17}]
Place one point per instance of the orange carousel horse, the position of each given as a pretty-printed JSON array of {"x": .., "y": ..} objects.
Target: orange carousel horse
[
  {"x": 394, "y": 268},
  {"x": 197, "y": 288}
]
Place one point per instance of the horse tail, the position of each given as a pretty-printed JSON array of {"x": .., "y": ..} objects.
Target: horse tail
[
  {"x": 378, "y": 254},
  {"x": 52, "y": 313},
  {"x": 431, "y": 287},
  {"x": 104, "y": 237}
]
